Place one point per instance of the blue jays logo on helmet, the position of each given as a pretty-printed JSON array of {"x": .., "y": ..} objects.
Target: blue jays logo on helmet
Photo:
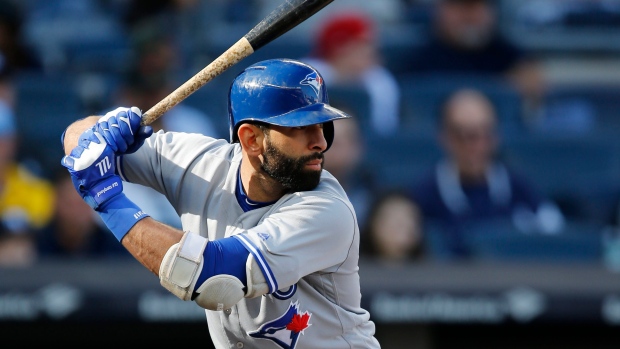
[
  {"x": 285, "y": 330},
  {"x": 313, "y": 80}
]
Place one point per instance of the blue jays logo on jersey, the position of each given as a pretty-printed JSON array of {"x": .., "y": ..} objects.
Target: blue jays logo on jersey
[
  {"x": 313, "y": 80},
  {"x": 285, "y": 330}
]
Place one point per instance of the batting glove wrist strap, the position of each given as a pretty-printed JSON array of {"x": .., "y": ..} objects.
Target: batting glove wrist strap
[
  {"x": 120, "y": 214},
  {"x": 101, "y": 192}
]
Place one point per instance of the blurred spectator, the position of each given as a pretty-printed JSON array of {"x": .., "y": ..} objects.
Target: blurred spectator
[
  {"x": 137, "y": 10},
  {"x": 8, "y": 89},
  {"x": 184, "y": 24},
  {"x": 346, "y": 52},
  {"x": 465, "y": 38},
  {"x": 393, "y": 233},
  {"x": 344, "y": 161},
  {"x": 226, "y": 11},
  {"x": 75, "y": 231},
  {"x": 15, "y": 56},
  {"x": 471, "y": 184},
  {"x": 26, "y": 200},
  {"x": 14, "y": 53},
  {"x": 155, "y": 51}
]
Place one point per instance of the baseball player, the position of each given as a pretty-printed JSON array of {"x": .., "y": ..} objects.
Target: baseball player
[{"x": 270, "y": 241}]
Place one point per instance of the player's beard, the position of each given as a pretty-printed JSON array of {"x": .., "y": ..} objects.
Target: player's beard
[{"x": 289, "y": 171}]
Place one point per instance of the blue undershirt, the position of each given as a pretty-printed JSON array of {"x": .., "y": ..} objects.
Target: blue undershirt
[{"x": 244, "y": 201}]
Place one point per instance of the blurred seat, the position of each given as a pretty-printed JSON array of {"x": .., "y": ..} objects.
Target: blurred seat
[
  {"x": 562, "y": 26},
  {"x": 398, "y": 42},
  {"x": 581, "y": 108},
  {"x": 399, "y": 161},
  {"x": 67, "y": 32},
  {"x": 46, "y": 105},
  {"x": 97, "y": 91},
  {"x": 500, "y": 240},
  {"x": 354, "y": 99},
  {"x": 211, "y": 99},
  {"x": 580, "y": 241},
  {"x": 423, "y": 95},
  {"x": 574, "y": 171},
  {"x": 110, "y": 55}
]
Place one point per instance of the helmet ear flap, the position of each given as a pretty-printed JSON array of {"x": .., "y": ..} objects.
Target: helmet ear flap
[{"x": 328, "y": 133}]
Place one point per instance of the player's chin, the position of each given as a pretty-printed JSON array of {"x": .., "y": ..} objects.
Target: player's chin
[{"x": 309, "y": 180}]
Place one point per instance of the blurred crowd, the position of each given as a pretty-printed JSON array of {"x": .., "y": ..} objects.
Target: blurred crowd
[{"x": 468, "y": 142}]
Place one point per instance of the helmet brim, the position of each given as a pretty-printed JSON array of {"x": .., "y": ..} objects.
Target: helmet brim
[
  {"x": 319, "y": 113},
  {"x": 311, "y": 115}
]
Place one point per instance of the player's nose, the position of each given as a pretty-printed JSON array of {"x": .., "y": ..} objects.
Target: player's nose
[{"x": 316, "y": 137}]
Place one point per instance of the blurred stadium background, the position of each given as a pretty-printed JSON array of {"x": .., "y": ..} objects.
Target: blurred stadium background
[{"x": 571, "y": 299}]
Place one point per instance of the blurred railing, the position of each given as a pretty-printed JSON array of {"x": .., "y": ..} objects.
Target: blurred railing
[{"x": 422, "y": 293}]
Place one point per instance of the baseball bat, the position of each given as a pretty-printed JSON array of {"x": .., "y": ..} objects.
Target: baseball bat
[{"x": 279, "y": 21}]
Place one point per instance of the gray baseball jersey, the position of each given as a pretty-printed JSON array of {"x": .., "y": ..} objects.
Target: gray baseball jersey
[{"x": 307, "y": 244}]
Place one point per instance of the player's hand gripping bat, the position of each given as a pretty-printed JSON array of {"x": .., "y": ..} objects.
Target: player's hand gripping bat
[{"x": 279, "y": 21}]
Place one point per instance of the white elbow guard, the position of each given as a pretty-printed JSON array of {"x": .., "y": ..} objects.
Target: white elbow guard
[
  {"x": 181, "y": 268},
  {"x": 182, "y": 264},
  {"x": 220, "y": 292}
]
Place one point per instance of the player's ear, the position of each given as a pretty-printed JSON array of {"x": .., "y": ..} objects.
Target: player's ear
[{"x": 251, "y": 138}]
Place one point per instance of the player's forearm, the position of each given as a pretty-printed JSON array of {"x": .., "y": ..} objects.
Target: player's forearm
[
  {"x": 73, "y": 132},
  {"x": 149, "y": 240},
  {"x": 92, "y": 165}
]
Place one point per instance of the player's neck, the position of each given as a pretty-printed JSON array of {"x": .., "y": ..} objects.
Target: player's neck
[{"x": 259, "y": 186}]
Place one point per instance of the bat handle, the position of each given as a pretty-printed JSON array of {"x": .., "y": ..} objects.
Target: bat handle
[{"x": 230, "y": 57}]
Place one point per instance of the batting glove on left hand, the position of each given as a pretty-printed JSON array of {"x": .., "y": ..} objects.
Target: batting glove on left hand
[{"x": 92, "y": 167}]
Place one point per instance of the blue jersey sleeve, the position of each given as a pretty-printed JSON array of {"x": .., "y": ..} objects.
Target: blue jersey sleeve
[{"x": 225, "y": 256}]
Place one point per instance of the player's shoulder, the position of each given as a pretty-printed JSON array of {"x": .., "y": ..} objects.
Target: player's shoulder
[
  {"x": 191, "y": 145},
  {"x": 329, "y": 185},
  {"x": 329, "y": 195}
]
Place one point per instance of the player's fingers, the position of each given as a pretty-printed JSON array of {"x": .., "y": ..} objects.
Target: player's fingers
[
  {"x": 125, "y": 127},
  {"x": 134, "y": 115},
  {"x": 106, "y": 129},
  {"x": 86, "y": 134},
  {"x": 67, "y": 161},
  {"x": 119, "y": 127},
  {"x": 145, "y": 132},
  {"x": 113, "y": 135},
  {"x": 86, "y": 138}
]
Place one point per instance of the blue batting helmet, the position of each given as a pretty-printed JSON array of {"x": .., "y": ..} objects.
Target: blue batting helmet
[{"x": 281, "y": 92}]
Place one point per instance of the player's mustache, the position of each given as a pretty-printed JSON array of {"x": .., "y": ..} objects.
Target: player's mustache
[{"x": 315, "y": 156}]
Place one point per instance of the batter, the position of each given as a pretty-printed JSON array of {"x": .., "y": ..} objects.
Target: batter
[{"x": 270, "y": 241}]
